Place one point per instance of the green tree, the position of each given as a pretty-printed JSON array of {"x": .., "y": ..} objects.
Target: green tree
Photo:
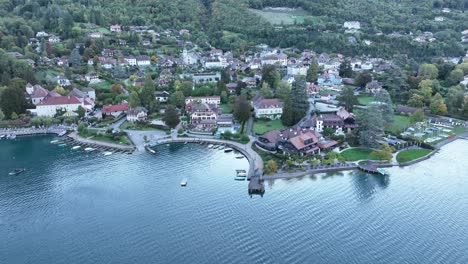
[
  {"x": 455, "y": 77},
  {"x": 242, "y": 110},
  {"x": 12, "y": 100},
  {"x": 119, "y": 71},
  {"x": 428, "y": 71},
  {"x": 454, "y": 99},
  {"x": 270, "y": 75},
  {"x": 437, "y": 105},
  {"x": 299, "y": 99},
  {"x": 75, "y": 58},
  {"x": 177, "y": 99},
  {"x": 384, "y": 103},
  {"x": 2, "y": 115},
  {"x": 80, "y": 111},
  {"x": 283, "y": 90},
  {"x": 417, "y": 116},
  {"x": 384, "y": 153},
  {"x": 370, "y": 126},
  {"x": 347, "y": 98},
  {"x": 134, "y": 100},
  {"x": 265, "y": 91},
  {"x": 362, "y": 79},
  {"x": 312, "y": 72},
  {"x": 271, "y": 167},
  {"x": 287, "y": 118},
  {"x": 171, "y": 116},
  {"x": 345, "y": 70},
  {"x": 14, "y": 116}
]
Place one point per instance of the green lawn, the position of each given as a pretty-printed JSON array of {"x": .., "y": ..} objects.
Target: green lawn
[
  {"x": 411, "y": 154},
  {"x": 285, "y": 17},
  {"x": 92, "y": 134},
  {"x": 135, "y": 126},
  {"x": 400, "y": 123},
  {"x": 102, "y": 85},
  {"x": 365, "y": 100},
  {"x": 260, "y": 127},
  {"x": 225, "y": 108},
  {"x": 356, "y": 154}
]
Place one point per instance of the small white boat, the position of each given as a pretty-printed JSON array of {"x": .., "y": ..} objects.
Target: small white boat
[
  {"x": 54, "y": 142},
  {"x": 89, "y": 149},
  {"x": 16, "y": 171},
  {"x": 13, "y": 136},
  {"x": 150, "y": 150},
  {"x": 2, "y": 136},
  {"x": 210, "y": 146},
  {"x": 183, "y": 183},
  {"x": 107, "y": 153},
  {"x": 228, "y": 150},
  {"x": 76, "y": 147}
]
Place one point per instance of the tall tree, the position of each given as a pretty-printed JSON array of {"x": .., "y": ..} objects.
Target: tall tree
[
  {"x": 171, "y": 116},
  {"x": 242, "y": 110},
  {"x": 119, "y": 71},
  {"x": 270, "y": 75},
  {"x": 177, "y": 99},
  {"x": 345, "y": 70},
  {"x": 437, "y": 105},
  {"x": 134, "y": 100},
  {"x": 370, "y": 126},
  {"x": 299, "y": 99},
  {"x": 362, "y": 79},
  {"x": 384, "y": 103},
  {"x": 75, "y": 58},
  {"x": 287, "y": 118},
  {"x": 283, "y": 90},
  {"x": 312, "y": 72},
  {"x": 12, "y": 100},
  {"x": 265, "y": 91},
  {"x": 347, "y": 98},
  {"x": 428, "y": 71}
]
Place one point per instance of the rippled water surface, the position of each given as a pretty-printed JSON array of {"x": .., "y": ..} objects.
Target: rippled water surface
[{"x": 73, "y": 207}]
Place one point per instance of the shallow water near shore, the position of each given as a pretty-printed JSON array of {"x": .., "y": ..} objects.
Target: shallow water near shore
[{"x": 76, "y": 207}]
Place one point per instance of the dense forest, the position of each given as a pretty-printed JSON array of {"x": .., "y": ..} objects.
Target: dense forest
[{"x": 229, "y": 24}]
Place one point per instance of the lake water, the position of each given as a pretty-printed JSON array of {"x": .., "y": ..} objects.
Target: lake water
[{"x": 73, "y": 207}]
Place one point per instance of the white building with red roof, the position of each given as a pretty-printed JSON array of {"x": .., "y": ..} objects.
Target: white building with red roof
[
  {"x": 115, "y": 28},
  {"x": 267, "y": 108},
  {"x": 115, "y": 110},
  {"x": 50, "y": 105}
]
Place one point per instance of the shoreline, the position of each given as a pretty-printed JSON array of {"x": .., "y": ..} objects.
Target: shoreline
[{"x": 292, "y": 175}]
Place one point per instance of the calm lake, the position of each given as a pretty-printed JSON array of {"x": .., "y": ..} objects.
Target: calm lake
[{"x": 76, "y": 207}]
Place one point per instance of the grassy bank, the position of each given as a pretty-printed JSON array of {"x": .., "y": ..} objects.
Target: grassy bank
[
  {"x": 356, "y": 154},
  {"x": 411, "y": 154},
  {"x": 260, "y": 127}
]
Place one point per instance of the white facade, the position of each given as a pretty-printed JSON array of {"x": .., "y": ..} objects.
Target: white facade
[
  {"x": 297, "y": 70},
  {"x": 270, "y": 113},
  {"x": 131, "y": 61},
  {"x": 51, "y": 110},
  {"x": 352, "y": 25},
  {"x": 216, "y": 100}
]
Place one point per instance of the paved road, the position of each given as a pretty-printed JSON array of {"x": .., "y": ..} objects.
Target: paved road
[{"x": 138, "y": 137}]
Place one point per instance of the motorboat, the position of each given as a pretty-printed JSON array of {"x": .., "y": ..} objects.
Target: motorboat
[
  {"x": 107, "y": 153},
  {"x": 150, "y": 150},
  {"x": 89, "y": 149},
  {"x": 62, "y": 145},
  {"x": 240, "y": 157},
  {"x": 76, "y": 147},
  {"x": 228, "y": 150},
  {"x": 54, "y": 142},
  {"x": 210, "y": 146},
  {"x": 16, "y": 171},
  {"x": 183, "y": 183}
]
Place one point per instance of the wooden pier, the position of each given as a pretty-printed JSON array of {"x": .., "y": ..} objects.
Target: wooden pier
[{"x": 369, "y": 167}]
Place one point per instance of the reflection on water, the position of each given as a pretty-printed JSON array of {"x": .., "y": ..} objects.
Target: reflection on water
[{"x": 72, "y": 207}]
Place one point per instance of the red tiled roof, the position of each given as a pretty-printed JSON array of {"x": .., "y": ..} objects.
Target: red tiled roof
[
  {"x": 60, "y": 100},
  {"x": 115, "y": 108}
]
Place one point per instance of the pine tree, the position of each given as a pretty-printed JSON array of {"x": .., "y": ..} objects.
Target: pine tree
[
  {"x": 312, "y": 72},
  {"x": 385, "y": 104},
  {"x": 287, "y": 118},
  {"x": 300, "y": 103},
  {"x": 346, "y": 71},
  {"x": 347, "y": 98},
  {"x": 242, "y": 110},
  {"x": 171, "y": 116},
  {"x": 75, "y": 58}
]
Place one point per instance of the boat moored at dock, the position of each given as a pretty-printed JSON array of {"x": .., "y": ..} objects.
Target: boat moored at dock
[{"x": 76, "y": 147}]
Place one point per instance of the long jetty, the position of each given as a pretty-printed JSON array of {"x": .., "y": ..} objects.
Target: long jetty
[
  {"x": 105, "y": 146},
  {"x": 33, "y": 131},
  {"x": 255, "y": 174}
]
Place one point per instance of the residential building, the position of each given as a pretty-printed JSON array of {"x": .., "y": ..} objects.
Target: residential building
[
  {"x": 115, "y": 28},
  {"x": 138, "y": 114},
  {"x": 162, "y": 97},
  {"x": 297, "y": 69},
  {"x": 50, "y": 105},
  {"x": 267, "y": 108},
  {"x": 54, "y": 39},
  {"x": 115, "y": 110},
  {"x": 215, "y": 100},
  {"x": 143, "y": 61},
  {"x": 279, "y": 59}
]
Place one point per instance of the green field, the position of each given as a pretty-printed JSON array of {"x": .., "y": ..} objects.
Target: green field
[
  {"x": 356, "y": 154},
  {"x": 400, "y": 123},
  {"x": 285, "y": 17},
  {"x": 365, "y": 100},
  {"x": 225, "y": 108},
  {"x": 102, "y": 85},
  {"x": 260, "y": 127},
  {"x": 411, "y": 154}
]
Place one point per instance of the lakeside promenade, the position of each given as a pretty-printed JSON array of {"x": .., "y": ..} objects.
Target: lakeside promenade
[{"x": 57, "y": 130}]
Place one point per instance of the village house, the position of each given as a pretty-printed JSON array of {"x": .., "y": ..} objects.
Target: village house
[
  {"x": 62, "y": 81},
  {"x": 205, "y": 77},
  {"x": 267, "y": 108},
  {"x": 273, "y": 59},
  {"x": 373, "y": 87},
  {"x": 36, "y": 93},
  {"x": 329, "y": 79},
  {"x": 90, "y": 92},
  {"x": 41, "y": 34},
  {"x": 107, "y": 63},
  {"x": 215, "y": 100},
  {"x": 225, "y": 122},
  {"x": 95, "y": 35},
  {"x": 189, "y": 58},
  {"x": 54, "y": 39},
  {"x": 297, "y": 69},
  {"x": 138, "y": 114},
  {"x": 143, "y": 61},
  {"x": 115, "y": 110},
  {"x": 250, "y": 82},
  {"x": 341, "y": 121},
  {"x": 49, "y": 106},
  {"x": 91, "y": 77},
  {"x": 162, "y": 97},
  {"x": 107, "y": 53},
  {"x": 203, "y": 116},
  {"x": 115, "y": 28},
  {"x": 215, "y": 62},
  {"x": 352, "y": 25},
  {"x": 232, "y": 88}
]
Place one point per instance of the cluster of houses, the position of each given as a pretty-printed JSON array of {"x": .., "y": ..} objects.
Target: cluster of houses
[
  {"x": 306, "y": 137},
  {"x": 206, "y": 116}
]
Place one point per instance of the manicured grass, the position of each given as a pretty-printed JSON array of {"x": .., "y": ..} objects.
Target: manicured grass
[
  {"x": 356, "y": 154},
  {"x": 92, "y": 134},
  {"x": 102, "y": 85},
  {"x": 400, "y": 123},
  {"x": 260, "y": 127},
  {"x": 365, "y": 100},
  {"x": 411, "y": 154},
  {"x": 225, "y": 108},
  {"x": 286, "y": 17},
  {"x": 135, "y": 126}
]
